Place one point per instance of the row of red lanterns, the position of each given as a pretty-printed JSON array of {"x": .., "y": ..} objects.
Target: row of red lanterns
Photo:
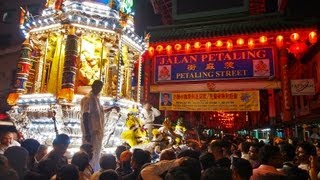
[{"x": 294, "y": 37}]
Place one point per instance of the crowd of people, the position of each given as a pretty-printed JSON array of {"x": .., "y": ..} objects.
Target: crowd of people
[{"x": 235, "y": 158}]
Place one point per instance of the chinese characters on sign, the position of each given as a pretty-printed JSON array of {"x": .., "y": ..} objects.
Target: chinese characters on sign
[
  {"x": 236, "y": 64},
  {"x": 211, "y": 101}
]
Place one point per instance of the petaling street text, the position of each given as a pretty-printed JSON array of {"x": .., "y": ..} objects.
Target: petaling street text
[
  {"x": 211, "y": 57},
  {"x": 211, "y": 74}
]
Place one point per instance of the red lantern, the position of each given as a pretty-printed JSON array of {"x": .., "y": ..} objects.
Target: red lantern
[
  {"x": 294, "y": 37},
  {"x": 240, "y": 41},
  {"x": 151, "y": 51},
  {"x": 177, "y": 47},
  {"x": 313, "y": 37},
  {"x": 208, "y": 45},
  {"x": 219, "y": 43},
  {"x": 159, "y": 48},
  {"x": 298, "y": 48},
  {"x": 187, "y": 47},
  {"x": 229, "y": 45},
  {"x": 197, "y": 45},
  {"x": 250, "y": 43},
  {"x": 263, "y": 39},
  {"x": 169, "y": 49},
  {"x": 279, "y": 41}
]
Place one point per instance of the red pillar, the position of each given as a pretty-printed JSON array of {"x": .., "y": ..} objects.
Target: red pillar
[
  {"x": 147, "y": 77},
  {"x": 285, "y": 86}
]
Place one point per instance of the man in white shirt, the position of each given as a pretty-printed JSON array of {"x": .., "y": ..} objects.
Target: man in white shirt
[
  {"x": 7, "y": 141},
  {"x": 149, "y": 113}
]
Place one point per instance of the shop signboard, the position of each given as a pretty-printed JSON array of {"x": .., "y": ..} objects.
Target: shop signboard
[
  {"x": 215, "y": 65},
  {"x": 210, "y": 101},
  {"x": 303, "y": 87}
]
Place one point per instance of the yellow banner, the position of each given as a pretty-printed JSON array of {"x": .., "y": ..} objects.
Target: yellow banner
[{"x": 211, "y": 101}]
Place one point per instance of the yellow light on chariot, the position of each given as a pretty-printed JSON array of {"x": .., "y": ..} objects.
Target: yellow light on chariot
[
  {"x": 67, "y": 94},
  {"x": 313, "y": 37},
  {"x": 240, "y": 41},
  {"x": 263, "y": 39},
  {"x": 13, "y": 98}
]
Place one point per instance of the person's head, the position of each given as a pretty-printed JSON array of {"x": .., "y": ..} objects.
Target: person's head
[
  {"x": 31, "y": 145},
  {"x": 270, "y": 155},
  {"x": 18, "y": 158},
  {"x": 68, "y": 172},
  {"x": 108, "y": 161},
  {"x": 7, "y": 138},
  {"x": 61, "y": 143},
  {"x": 304, "y": 151},
  {"x": 96, "y": 87},
  {"x": 166, "y": 97},
  {"x": 31, "y": 175},
  {"x": 192, "y": 166},
  {"x": 189, "y": 153},
  {"x": 42, "y": 151},
  {"x": 139, "y": 158},
  {"x": 125, "y": 158},
  {"x": 4, "y": 164},
  {"x": 207, "y": 160},
  {"x": 244, "y": 147},
  {"x": 88, "y": 148},
  {"x": 241, "y": 169},
  {"x": 147, "y": 106},
  {"x": 119, "y": 150},
  {"x": 217, "y": 173},
  {"x": 109, "y": 175},
  {"x": 178, "y": 173},
  {"x": 167, "y": 154},
  {"x": 287, "y": 151},
  {"x": 81, "y": 160},
  {"x": 216, "y": 149},
  {"x": 254, "y": 152}
]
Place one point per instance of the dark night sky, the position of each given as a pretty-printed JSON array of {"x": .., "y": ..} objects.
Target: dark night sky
[{"x": 144, "y": 16}]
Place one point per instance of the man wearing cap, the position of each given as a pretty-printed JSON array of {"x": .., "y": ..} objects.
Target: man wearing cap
[{"x": 54, "y": 160}]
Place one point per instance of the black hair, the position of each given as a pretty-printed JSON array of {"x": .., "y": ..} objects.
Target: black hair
[
  {"x": 81, "y": 160},
  {"x": 61, "y": 139},
  {"x": 207, "y": 160},
  {"x": 193, "y": 167},
  {"x": 242, "y": 167},
  {"x": 86, "y": 147},
  {"x": 267, "y": 152},
  {"x": 31, "y": 145},
  {"x": 308, "y": 148},
  {"x": 178, "y": 173},
  {"x": 109, "y": 175},
  {"x": 68, "y": 172},
  {"x": 245, "y": 146},
  {"x": 119, "y": 150},
  {"x": 140, "y": 157},
  {"x": 217, "y": 173},
  {"x": 108, "y": 161},
  {"x": 189, "y": 153},
  {"x": 289, "y": 150}
]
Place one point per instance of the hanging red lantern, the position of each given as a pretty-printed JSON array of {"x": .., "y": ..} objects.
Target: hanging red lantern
[
  {"x": 169, "y": 49},
  {"x": 177, "y": 47},
  {"x": 197, "y": 45},
  {"x": 240, "y": 41},
  {"x": 313, "y": 37},
  {"x": 279, "y": 41},
  {"x": 219, "y": 43},
  {"x": 263, "y": 39},
  {"x": 187, "y": 47},
  {"x": 298, "y": 48},
  {"x": 250, "y": 43},
  {"x": 151, "y": 51},
  {"x": 208, "y": 45},
  {"x": 159, "y": 48},
  {"x": 294, "y": 37},
  {"x": 229, "y": 44}
]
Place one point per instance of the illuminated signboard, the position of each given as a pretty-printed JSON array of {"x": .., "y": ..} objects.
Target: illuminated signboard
[{"x": 215, "y": 65}]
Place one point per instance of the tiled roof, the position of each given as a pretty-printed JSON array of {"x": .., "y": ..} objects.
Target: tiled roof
[{"x": 216, "y": 29}]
